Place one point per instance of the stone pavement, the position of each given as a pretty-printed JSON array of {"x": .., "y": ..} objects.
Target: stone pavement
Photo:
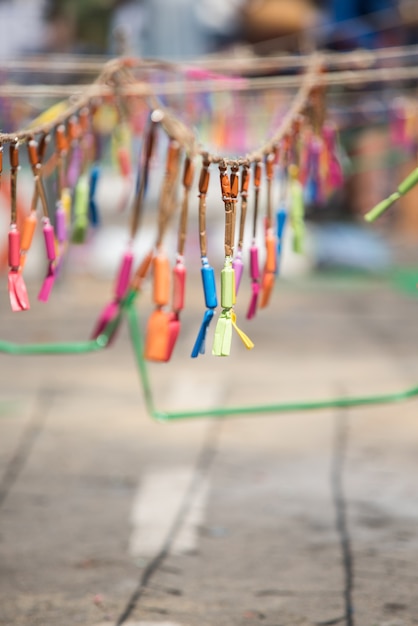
[{"x": 90, "y": 485}]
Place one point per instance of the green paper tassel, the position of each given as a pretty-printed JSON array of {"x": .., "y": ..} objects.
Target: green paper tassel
[{"x": 223, "y": 334}]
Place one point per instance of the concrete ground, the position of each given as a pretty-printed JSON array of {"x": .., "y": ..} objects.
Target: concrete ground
[{"x": 107, "y": 516}]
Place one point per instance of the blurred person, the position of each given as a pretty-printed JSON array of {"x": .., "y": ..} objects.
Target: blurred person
[
  {"x": 280, "y": 24},
  {"x": 174, "y": 30},
  {"x": 22, "y": 27},
  {"x": 78, "y": 26},
  {"x": 364, "y": 23},
  {"x": 336, "y": 24}
]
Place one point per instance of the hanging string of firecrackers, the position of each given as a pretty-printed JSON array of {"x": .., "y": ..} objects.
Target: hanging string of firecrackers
[
  {"x": 282, "y": 211},
  {"x": 224, "y": 334},
  {"x": 322, "y": 158},
  {"x": 89, "y": 151},
  {"x": 71, "y": 161},
  {"x": 271, "y": 240},
  {"x": 297, "y": 209}
]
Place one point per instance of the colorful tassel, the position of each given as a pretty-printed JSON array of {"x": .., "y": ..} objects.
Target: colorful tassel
[
  {"x": 93, "y": 182},
  {"x": 49, "y": 239},
  {"x": 281, "y": 219},
  {"x": 81, "y": 209},
  {"x": 112, "y": 310},
  {"x": 334, "y": 173},
  {"x": 62, "y": 225},
  {"x": 255, "y": 281},
  {"x": 227, "y": 319},
  {"x": 211, "y": 302},
  {"x": 121, "y": 149},
  {"x": 297, "y": 210}
]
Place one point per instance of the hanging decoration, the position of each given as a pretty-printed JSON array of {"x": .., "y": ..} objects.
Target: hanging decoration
[
  {"x": 76, "y": 163},
  {"x": 302, "y": 157}
]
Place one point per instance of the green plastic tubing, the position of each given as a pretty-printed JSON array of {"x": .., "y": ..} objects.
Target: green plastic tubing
[
  {"x": 128, "y": 308},
  {"x": 406, "y": 185},
  {"x": 380, "y": 208},
  {"x": 280, "y": 407}
]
